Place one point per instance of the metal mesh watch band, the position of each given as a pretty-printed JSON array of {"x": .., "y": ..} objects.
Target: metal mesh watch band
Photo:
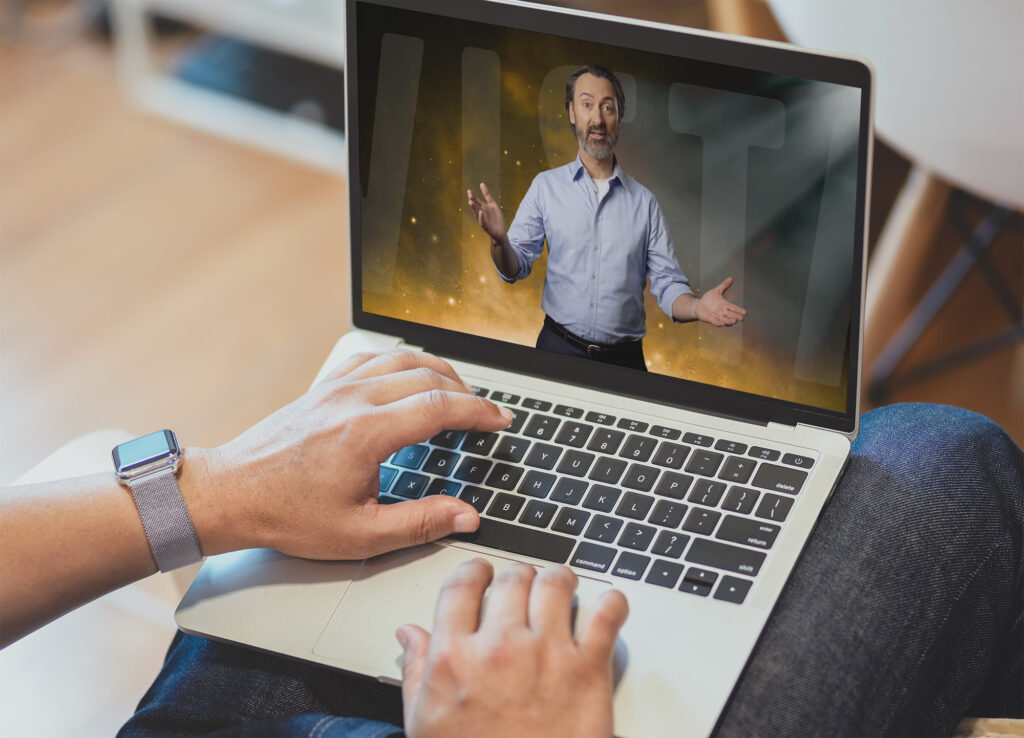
[{"x": 172, "y": 537}]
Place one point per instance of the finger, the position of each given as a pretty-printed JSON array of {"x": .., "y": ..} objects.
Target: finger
[
  {"x": 403, "y": 360},
  {"x": 351, "y": 364},
  {"x": 487, "y": 194},
  {"x": 458, "y": 604},
  {"x": 392, "y": 387},
  {"x": 726, "y": 284},
  {"x": 426, "y": 414},
  {"x": 415, "y": 644},
  {"x": 602, "y": 628},
  {"x": 508, "y": 599},
  {"x": 550, "y": 609},
  {"x": 415, "y": 522}
]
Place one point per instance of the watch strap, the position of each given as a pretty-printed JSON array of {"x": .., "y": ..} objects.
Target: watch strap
[{"x": 169, "y": 530}]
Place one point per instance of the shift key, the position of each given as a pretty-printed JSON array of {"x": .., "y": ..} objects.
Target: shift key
[{"x": 724, "y": 556}]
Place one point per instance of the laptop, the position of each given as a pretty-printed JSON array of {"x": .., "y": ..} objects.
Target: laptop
[{"x": 693, "y": 486}]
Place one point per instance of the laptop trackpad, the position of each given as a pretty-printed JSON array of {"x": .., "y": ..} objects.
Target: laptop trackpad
[{"x": 398, "y": 588}]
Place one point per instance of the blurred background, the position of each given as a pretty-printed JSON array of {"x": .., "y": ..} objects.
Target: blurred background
[{"x": 173, "y": 240}]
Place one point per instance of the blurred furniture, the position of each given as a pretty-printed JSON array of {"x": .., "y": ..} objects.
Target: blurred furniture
[{"x": 313, "y": 30}]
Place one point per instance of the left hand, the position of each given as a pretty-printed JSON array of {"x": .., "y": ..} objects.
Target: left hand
[{"x": 713, "y": 308}]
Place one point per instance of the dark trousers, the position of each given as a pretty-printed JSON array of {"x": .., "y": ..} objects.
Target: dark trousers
[{"x": 631, "y": 355}]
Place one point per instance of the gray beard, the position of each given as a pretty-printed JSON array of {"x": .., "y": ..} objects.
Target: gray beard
[{"x": 600, "y": 150}]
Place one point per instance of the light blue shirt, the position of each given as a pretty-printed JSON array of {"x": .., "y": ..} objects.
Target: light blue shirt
[{"x": 600, "y": 252}]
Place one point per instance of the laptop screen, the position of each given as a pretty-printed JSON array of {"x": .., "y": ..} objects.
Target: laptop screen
[{"x": 631, "y": 206}]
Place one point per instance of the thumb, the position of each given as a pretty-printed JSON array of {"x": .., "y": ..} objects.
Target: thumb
[
  {"x": 415, "y": 642},
  {"x": 414, "y": 522},
  {"x": 726, "y": 284}
]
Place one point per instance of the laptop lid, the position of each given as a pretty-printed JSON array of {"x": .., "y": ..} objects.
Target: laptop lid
[{"x": 757, "y": 153}]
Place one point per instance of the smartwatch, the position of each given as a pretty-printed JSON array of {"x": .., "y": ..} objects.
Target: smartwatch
[{"x": 148, "y": 466}]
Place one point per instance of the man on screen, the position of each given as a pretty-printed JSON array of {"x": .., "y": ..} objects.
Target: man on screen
[{"x": 605, "y": 236}]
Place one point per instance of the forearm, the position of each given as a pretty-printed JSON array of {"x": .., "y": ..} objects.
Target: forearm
[
  {"x": 504, "y": 257},
  {"x": 684, "y": 308}
]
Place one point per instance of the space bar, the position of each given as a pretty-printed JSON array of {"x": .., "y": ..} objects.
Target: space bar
[{"x": 517, "y": 540}]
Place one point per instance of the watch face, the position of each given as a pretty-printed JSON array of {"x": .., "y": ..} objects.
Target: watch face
[{"x": 144, "y": 451}]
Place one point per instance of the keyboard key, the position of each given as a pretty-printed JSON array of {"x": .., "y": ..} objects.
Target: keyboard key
[
  {"x": 507, "y": 397},
  {"x": 410, "y": 485},
  {"x": 731, "y": 447},
  {"x": 601, "y": 418},
  {"x": 664, "y": 573},
  {"x": 574, "y": 434},
  {"x": 733, "y": 589},
  {"x": 779, "y": 479},
  {"x": 387, "y": 476},
  {"x": 448, "y": 438},
  {"x": 519, "y": 539},
  {"x": 764, "y": 454},
  {"x": 634, "y": 506},
  {"x": 388, "y": 500},
  {"x": 673, "y": 485},
  {"x": 536, "y": 484},
  {"x": 511, "y": 448},
  {"x": 706, "y": 492},
  {"x": 748, "y": 532},
  {"x": 638, "y": 448},
  {"x": 702, "y": 521},
  {"x": 671, "y": 455},
  {"x": 698, "y": 588},
  {"x": 804, "y": 462},
  {"x": 570, "y": 521},
  {"x": 575, "y": 463},
  {"x": 542, "y": 405},
  {"x": 444, "y": 487},
  {"x": 543, "y": 456},
  {"x": 667, "y": 514},
  {"x": 569, "y": 491},
  {"x": 737, "y": 469},
  {"x": 410, "y": 457},
  {"x": 505, "y": 476},
  {"x": 703, "y": 576},
  {"x": 592, "y": 557},
  {"x": 670, "y": 544},
  {"x": 538, "y": 514},
  {"x": 741, "y": 500},
  {"x": 697, "y": 439},
  {"x": 704, "y": 463},
  {"x": 606, "y": 441},
  {"x": 568, "y": 412},
  {"x": 480, "y": 391},
  {"x": 601, "y": 498},
  {"x": 441, "y": 462},
  {"x": 473, "y": 470},
  {"x": 725, "y": 556},
  {"x": 637, "y": 536},
  {"x": 630, "y": 565},
  {"x": 506, "y": 506},
  {"x": 607, "y": 470},
  {"x": 542, "y": 427},
  {"x": 518, "y": 419},
  {"x": 604, "y": 529},
  {"x": 773, "y": 507},
  {"x": 476, "y": 496},
  {"x": 640, "y": 477},
  {"x": 632, "y": 425},
  {"x": 662, "y": 431},
  {"x": 479, "y": 443}
]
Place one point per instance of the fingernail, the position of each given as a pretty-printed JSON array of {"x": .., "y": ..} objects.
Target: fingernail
[
  {"x": 465, "y": 523},
  {"x": 507, "y": 414},
  {"x": 403, "y": 639}
]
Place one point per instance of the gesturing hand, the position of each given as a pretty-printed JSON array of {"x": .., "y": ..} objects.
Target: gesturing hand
[
  {"x": 713, "y": 308},
  {"x": 488, "y": 214},
  {"x": 304, "y": 481},
  {"x": 515, "y": 670}
]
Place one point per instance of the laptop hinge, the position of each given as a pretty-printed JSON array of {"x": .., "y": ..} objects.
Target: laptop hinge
[{"x": 782, "y": 428}]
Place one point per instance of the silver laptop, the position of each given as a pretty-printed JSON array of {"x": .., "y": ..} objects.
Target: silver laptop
[{"x": 692, "y": 486}]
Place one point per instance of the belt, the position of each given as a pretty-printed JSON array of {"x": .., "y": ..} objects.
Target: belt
[{"x": 592, "y": 349}]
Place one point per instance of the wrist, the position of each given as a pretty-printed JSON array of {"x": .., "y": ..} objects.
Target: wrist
[{"x": 205, "y": 487}]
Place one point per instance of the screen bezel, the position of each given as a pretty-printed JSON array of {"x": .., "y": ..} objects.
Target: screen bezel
[{"x": 628, "y": 33}]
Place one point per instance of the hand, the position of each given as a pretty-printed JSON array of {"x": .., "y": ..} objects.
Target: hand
[
  {"x": 488, "y": 214},
  {"x": 516, "y": 670},
  {"x": 713, "y": 308},
  {"x": 304, "y": 481}
]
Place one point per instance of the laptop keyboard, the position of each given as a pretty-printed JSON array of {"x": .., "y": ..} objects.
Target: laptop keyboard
[{"x": 606, "y": 494}]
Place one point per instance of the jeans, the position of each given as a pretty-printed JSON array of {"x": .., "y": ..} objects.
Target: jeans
[{"x": 904, "y": 615}]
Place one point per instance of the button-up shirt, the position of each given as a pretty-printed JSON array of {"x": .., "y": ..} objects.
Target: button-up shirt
[{"x": 600, "y": 252}]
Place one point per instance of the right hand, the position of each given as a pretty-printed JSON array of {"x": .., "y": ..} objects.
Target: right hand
[
  {"x": 488, "y": 214},
  {"x": 515, "y": 670}
]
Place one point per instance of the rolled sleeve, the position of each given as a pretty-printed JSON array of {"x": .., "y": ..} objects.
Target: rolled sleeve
[
  {"x": 526, "y": 234},
  {"x": 667, "y": 280}
]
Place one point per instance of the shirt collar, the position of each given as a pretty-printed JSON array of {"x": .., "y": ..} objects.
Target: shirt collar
[{"x": 577, "y": 170}]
